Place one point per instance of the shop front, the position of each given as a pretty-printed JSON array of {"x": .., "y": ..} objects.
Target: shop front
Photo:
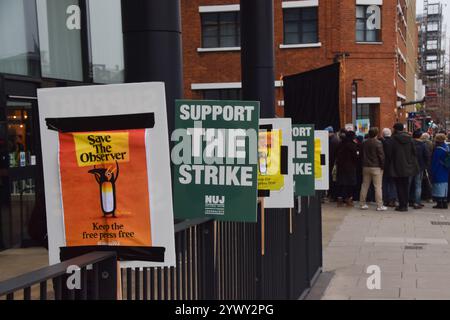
[{"x": 21, "y": 188}]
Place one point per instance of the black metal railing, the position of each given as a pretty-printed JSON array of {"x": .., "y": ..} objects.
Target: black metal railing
[
  {"x": 98, "y": 280},
  {"x": 277, "y": 258}
]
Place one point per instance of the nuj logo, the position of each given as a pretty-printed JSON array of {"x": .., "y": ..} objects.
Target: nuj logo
[{"x": 214, "y": 199}]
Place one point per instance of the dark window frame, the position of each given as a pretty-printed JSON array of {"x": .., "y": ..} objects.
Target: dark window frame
[
  {"x": 365, "y": 30},
  {"x": 222, "y": 94},
  {"x": 300, "y": 25},
  {"x": 219, "y": 21}
]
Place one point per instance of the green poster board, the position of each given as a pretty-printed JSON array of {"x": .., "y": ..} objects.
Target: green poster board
[
  {"x": 303, "y": 138},
  {"x": 215, "y": 160}
]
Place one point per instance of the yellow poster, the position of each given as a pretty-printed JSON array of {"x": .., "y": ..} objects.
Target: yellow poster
[
  {"x": 317, "y": 158},
  {"x": 269, "y": 161}
]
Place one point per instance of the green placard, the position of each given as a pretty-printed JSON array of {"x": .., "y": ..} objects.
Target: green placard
[
  {"x": 303, "y": 138},
  {"x": 215, "y": 160}
]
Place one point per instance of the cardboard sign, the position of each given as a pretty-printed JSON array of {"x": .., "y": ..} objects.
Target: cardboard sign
[
  {"x": 270, "y": 176},
  {"x": 107, "y": 169},
  {"x": 277, "y": 184},
  {"x": 321, "y": 160},
  {"x": 303, "y": 139},
  {"x": 215, "y": 160}
]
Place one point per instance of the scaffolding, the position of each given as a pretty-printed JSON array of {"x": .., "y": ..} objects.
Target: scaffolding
[{"x": 432, "y": 52}]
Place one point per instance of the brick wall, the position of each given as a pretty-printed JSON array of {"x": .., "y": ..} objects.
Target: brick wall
[{"x": 376, "y": 64}]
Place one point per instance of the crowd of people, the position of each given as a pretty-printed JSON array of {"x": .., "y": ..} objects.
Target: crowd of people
[{"x": 392, "y": 168}]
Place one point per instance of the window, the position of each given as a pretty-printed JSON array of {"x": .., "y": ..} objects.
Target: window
[
  {"x": 19, "y": 45},
  {"x": 222, "y": 94},
  {"x": 433, "y": 9},
  {"x": 366, "y": 111},
  {"x": 60, "y": 45},
  {"x": 106, "y": 41},
  {"x": 432, "y": 44},
  {"x": 368, "y": 24},
  {"x": 432, "y": 58},
  {"x": 433, "y": 26},
  {"x": 300, "y": 25},
  {"x": 431, "y": 65},
  {"x": 220, "y": 29}
]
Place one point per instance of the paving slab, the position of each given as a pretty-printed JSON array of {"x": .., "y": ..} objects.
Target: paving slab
[{"x": 413, "y": 254}]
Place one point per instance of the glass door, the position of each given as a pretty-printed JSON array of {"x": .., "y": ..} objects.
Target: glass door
[{"x": 18, "y": 191}]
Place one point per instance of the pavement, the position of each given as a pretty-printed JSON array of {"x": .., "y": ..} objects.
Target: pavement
[{"x": 411, "y": 250}]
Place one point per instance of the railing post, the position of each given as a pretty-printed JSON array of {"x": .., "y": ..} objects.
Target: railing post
[
  {"x": 208, "y": 275},
  {"x": 108, "y": 279}
]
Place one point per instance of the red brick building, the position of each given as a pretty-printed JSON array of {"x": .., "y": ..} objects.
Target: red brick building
[{"x": 368, "y": 37}]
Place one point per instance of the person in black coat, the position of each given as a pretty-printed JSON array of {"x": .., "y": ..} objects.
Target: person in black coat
[
  {"x": 346, "y": 164},
  {"x": 403, "y": 163},
  {"x": 423, "y": 158}
]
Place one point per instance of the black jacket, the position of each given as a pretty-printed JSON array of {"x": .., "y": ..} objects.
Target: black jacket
[
  {"x": 346, "y": 162},
  {"x": 402, "y": 155},
  {"x": 423, "y": 157}
]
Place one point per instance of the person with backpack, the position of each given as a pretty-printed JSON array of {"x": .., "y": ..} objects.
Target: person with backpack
[{"x": 440, "y": 166}]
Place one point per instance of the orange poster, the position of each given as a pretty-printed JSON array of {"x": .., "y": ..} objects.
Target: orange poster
[{"x": 105, "y": 192}]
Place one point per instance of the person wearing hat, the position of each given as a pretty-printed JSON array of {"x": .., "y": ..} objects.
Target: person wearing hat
[{"x": 440, "y": 172}]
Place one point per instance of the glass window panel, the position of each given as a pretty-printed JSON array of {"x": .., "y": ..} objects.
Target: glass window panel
[
  {"x": 228, "y": 17},
  {"x": 360, "y": 11},
  {"x": 228, "y": 30},
  {"x": 360, "y": 36},
  {"x": 360, "y": 25},
  {"x": 291, "y": 38},
  {"x": 371, "y": 36},
  {"x": 291, "y": 27},
  {"x": 107, "y": 41},
  {"x": 291, "y": 14},
  {"x": 228, "y": 41},
  {"x": 309, "y": 37},
  {"x": 19, "y": 45},
  {"x": 309, "y": 13},
  {"x": 310, "y": 27},
  {"x": 209, "y": 18},
  {"x": 60, "y": 46},
  {"x": 210, "y": 42},
  {"x": 210, "y": 31}
]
